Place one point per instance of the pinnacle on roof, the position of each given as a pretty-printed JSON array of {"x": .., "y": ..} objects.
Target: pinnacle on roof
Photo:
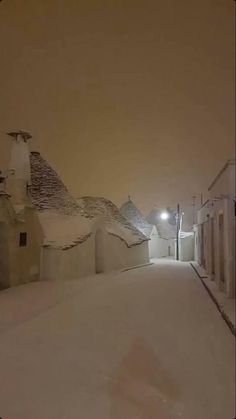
[{"x": 22, "y": 134}]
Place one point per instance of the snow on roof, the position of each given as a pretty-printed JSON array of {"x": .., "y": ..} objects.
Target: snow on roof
[
  {"x": 63, "y": 231},
  {"x": 116, "y": 223},
  {"x": 66, "y": 221},
  {"x": 48, "y": 192},
  {"x": 135, "y": 217},
  {"x": 63, "y": 221}
]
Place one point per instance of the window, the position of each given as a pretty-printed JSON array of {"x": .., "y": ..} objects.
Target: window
[{"x": 23, "y": 239}]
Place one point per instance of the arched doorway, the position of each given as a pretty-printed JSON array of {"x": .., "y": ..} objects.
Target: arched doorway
[
  {"x": 99, "y": 251},
  {"x": 4, "y": 261}
]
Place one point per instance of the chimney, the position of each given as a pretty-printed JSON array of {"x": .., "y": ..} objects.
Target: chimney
[{"x": 19, "y": 175}]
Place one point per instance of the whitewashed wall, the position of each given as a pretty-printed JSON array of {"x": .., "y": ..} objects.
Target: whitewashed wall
[
  {"x": 158, "y": 247},
  {"x": 102, "y": 252},
  {"x": 186, "y": 248},
  {"x": 112, "y": 253},
  {"x": 208, "y": 222},
  {"x": 225, "y": 182},
  {"x": 73, "y": 263}
]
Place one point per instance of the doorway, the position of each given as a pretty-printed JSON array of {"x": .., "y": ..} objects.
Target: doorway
[
  {"x": 212, "y": 248},
  {"x": 99, "y": 253},
  {"x": 221, "y": 249},
  {"x": 4, "y": 257},
  {"x": 202, "y": 244}
]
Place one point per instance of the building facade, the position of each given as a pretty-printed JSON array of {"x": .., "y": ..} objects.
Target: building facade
[
  {"x": 215, "y": 230},
  {"x": 21, "y": 235},
  {"x": 46, "y": 234}
]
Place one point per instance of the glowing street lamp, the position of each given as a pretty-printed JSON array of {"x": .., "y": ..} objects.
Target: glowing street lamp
[{"x": 164, "y": 215}]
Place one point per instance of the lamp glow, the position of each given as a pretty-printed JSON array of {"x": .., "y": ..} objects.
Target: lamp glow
[{"x": 164, "y": 215}]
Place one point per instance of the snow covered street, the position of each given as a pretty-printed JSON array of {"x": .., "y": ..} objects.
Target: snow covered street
[{"x": 142, "y": 344}]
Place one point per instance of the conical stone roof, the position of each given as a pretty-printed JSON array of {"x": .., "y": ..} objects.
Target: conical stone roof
[
  {"x": 135, "y": 217},
  {"x": 66, "y": 221}
]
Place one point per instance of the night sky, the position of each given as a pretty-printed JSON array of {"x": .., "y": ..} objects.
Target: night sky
[{"x": 122, "y": 97}]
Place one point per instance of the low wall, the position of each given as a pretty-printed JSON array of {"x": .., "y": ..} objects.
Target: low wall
[
  {"x": 102, "y": 252},
  {"x": 73, "y": 263},
  {"x": 186, "y": 248},
  {"x": 159, "y": 247},
  {"x": 115, "y": 254}
]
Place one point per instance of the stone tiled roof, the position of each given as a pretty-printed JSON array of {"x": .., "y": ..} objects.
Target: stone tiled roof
[
  {"x": 135, "y": 217},
  {"x": 66, "y": 221},
  {"x": 48, "y": 191}
]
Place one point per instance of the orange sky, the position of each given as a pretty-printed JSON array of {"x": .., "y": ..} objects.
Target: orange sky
[{"x": 122, "y": 97}]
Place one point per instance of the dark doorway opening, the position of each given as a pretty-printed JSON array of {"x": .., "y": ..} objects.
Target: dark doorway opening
[{"x": 221, "y": 248}]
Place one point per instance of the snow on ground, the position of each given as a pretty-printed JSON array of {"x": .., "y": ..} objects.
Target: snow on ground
[
  {"x": 226, "y": 304},
  {"x": 145, "y": 343}
]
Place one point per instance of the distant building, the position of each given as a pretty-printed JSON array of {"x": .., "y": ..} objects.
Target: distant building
[
  {"x": 215, "y": 230},
  {"x": 158, "y": 246},
  {"x": 46, "y": 234},
  {"x": 166, "y": 228}
]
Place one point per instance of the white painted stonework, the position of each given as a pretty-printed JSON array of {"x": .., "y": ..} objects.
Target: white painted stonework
[
  {"x": 72, "y": 263},
  {"x": 19, "y": 174},
  {"x": 186, "y": 246},
  {"x": 215, "y": 231},
  {"x": 20, "y": 160},
  {"x": 63, "y": 240}
]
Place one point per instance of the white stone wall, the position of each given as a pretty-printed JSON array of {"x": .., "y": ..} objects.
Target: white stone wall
[
  {"x": 159, "y": 248},
  {"x": 18, "y": 264},
  {"x": 73, "y": 263},
  {"x": 19, "y": 160},
  {"x": 214, "y": 246},
  {"x": 225, "y": 183},
  {"x": 186, "y": 248},
  {"x": 101, "y": 253},
  {"x": 19, "y": 172},
  {"x": 115, "y": 254}
]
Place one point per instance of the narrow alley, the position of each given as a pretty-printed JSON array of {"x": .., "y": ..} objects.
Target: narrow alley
[{"x": 144, "y": 343}]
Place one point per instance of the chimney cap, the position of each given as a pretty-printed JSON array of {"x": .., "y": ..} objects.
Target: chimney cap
[{"x": 24, "y": 134}]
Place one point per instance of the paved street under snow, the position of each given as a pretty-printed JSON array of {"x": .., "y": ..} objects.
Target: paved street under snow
[{"x": 143, "y": 344}]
